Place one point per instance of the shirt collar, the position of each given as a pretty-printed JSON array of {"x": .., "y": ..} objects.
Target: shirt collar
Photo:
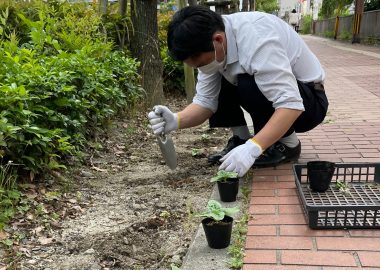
[{"x": 232, "y": 52}]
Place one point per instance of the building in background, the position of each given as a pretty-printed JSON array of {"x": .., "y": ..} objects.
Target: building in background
[
  {"x": 286, "y": 6},
  {"x": 303, "y": 7},
  {"x": 314, "y": 8}
]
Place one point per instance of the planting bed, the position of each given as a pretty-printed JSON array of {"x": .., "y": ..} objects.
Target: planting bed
[{"x": 134, "y": 212}]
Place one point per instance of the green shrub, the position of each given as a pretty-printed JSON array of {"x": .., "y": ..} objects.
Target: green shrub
[
  {"x": 174, "y": 77},
  {"x": 51, "y": 103},
  {"x": 11, "y": 23},
  {"x": 306, "y": 25},
  {"x": 59, "y": 86}
]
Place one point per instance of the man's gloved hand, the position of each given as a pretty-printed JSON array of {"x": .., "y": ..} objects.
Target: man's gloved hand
[
  {"x": 241, "y": 158},
  {"x": 162, "y": 120}
]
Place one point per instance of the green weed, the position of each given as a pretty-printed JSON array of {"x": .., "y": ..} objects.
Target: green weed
[
  {"x": 9, "y": 195},
  {"x": 239, "y": 232},
  {"x": 328, "y": 34},
  {"x": 345, "y": 35}
]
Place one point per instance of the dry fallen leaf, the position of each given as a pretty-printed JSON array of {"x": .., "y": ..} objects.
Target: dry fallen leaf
[
  {"x": 72, "y": 201},
  {"x": 45, "y": 241},
  {"x": 98, "y": 169},
  {"x": 31, "y": 195},
  {"x": 25, "y": 251},
  {"x": 37, "y": 230},
  {"x": 28, "y": 186},
  {"x": 3, "y": 235},
  {"x": 120, "y": 146},
  {"x": 30, "y": 217},
  {"x": 31, "y": 176}
]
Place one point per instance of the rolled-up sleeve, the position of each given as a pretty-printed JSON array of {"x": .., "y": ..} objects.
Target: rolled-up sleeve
[
  {"x": 264, "y": 57},
  {"x": 207, "y": 91}
]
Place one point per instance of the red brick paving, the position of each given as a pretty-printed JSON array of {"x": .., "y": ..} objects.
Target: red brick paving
[{"x": 278, "y": 237}]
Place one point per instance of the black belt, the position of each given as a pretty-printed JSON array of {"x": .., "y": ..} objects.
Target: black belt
[{"x": 319, "y": 86}]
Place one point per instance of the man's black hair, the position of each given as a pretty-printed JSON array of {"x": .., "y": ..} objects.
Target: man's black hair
[{"x": 190, "y": 31}]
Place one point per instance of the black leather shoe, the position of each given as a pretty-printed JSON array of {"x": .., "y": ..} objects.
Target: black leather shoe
[
  {"x": 233, "y": 142},
  {"x": 277, "y": 154}
]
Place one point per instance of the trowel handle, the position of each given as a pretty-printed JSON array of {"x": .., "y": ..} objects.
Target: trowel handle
[{"x": 162, "y": 137}]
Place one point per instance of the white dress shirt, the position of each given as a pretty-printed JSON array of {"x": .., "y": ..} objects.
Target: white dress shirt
[{"x": 262, "y": 45}]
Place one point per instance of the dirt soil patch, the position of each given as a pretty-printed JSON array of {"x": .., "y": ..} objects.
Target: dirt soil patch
[{"x": 125, "y": 209}]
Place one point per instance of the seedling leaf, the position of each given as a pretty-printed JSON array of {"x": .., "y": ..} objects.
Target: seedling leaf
[{"x": 223, "y": 175}]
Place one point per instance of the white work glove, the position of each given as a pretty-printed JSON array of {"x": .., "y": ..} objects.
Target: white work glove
[
  {"x": 162, "y": 120},
  {"x": 241, "y": 158}
]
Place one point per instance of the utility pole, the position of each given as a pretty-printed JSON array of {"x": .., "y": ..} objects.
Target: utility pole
[{"x": 359, "y": 9}]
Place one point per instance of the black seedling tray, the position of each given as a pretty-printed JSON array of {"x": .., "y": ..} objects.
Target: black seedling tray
[{"x": 334, "y": 209}]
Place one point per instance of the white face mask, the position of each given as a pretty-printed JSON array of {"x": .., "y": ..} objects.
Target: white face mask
[{"x": 214, "y": 66}]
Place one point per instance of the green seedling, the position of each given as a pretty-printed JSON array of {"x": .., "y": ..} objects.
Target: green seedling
[
  {"x": 216, "y": 212},
  {"x": 343, "y": 187},
  {"x": 205, "y": 137},
  {"x": 165, "y": 214},
  {"x": 196, "y": 152},
  {"x": 222, "y": 176},
  {"x": 173, "y": 267},
  {"x": 8, "y": 243}
]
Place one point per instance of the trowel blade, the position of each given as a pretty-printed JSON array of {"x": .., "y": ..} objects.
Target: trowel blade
[{"x": 168, "y": 151}]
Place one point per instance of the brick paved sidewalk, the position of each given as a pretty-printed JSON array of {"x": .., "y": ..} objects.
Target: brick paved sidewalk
[{"x": 278, "y": 237}]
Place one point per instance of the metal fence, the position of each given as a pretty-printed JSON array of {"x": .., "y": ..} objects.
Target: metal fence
[{"x": 369, "y": 28}]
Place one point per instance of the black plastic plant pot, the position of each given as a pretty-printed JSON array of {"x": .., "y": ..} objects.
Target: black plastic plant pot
[
  {"x": 218, "y": 233},
  {"x": 228, "y": 190},
  {"x": 320, "y": 174}
]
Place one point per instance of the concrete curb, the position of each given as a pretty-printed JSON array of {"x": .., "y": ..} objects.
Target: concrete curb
[{"x": 199, "y": 256}]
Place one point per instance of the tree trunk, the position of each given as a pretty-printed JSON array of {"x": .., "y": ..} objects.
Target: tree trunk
[
  {"x": 145, "y": 47},
  {"x": 122, "y": 28},
  {"x": 252, "y": 5},
  {"x": 234, "y": 6},
  {"x": 244, "y": 6},
  {"x": 359, "y": 9},
  {"x": 103, "y": 6},
  {"x": 189, "y": 71},
  {"x": 123, "y": 7}
]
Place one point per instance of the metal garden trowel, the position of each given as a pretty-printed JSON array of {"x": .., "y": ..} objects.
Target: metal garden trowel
[{"x": 167, "y": 149}]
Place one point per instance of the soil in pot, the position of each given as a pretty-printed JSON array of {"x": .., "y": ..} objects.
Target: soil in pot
[
  {"x": 228, "y": 189},
  {"x": 218, "y": 233},
  {"x": 320, "y": 174}
]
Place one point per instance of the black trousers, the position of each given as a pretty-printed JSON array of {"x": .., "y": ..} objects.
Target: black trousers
[{"x": 247, "y": 95}]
